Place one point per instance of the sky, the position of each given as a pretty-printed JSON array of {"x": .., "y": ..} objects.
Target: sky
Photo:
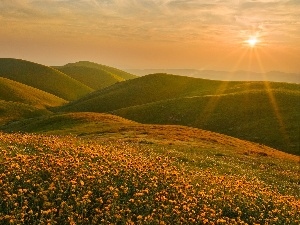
[{"x": 156, "y": 34}]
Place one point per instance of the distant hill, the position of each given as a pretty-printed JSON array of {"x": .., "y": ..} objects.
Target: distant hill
[
  {"x": 94, "y": 75},
  {"x": 42, "y": 77},
  {"x": 264, "y": 112},
  {"x": 151, "y": 88},
  {"x": 93, "y": 78},
  {"x": 158, "y": 87},
  {"x": 13, "y": 111},
  {"x": 275, "y": 76},
  {"x": 16, "y": 92}
]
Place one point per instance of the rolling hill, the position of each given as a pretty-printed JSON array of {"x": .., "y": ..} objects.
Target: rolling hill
[
  {"x": 91, "y": 77},
  {"x": 275, "y": 76},
  {"x": 249, "y": 116},
  {"x": 94, "y": 75},
  {"x": 117, "y": 72},
  {"x": 107, "y": 126},
  {"x": 99, "y": 168},
  {"x": 14, "y": 111},
  {"x": 158, "y": 87},
  {"x": 264, "y": 112},
  {"x": 150, "y": 88},
  {"x": 16, "y": 92},
  {"x": 42, "y": 77}
]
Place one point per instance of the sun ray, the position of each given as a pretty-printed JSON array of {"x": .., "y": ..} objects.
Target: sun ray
[
  {"x": 213, "y": 102},
  {"x": 273, "y": 101}
]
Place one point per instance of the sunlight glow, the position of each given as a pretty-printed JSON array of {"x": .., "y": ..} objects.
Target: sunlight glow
[{"x": 252, "y": 41}]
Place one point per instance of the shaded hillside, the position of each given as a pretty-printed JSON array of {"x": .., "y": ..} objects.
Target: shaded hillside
[
  {"x": 75, "y": 123},
  {"x": 91, "y": 77},
  {"x": 117, "y": 73},
  {"x": 16, "y": 92},
  {"x": 158, "y": 87},
  {"x": 265, "y": 117},
  {"x": 151, "y": 88},
  {"x": 43, "y": 78},
  {"x": 13, "y": 111},
  {"x": 240, "y": 109}
]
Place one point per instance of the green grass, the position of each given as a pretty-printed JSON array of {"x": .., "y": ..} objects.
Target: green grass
[
  {"x": 264, "y": 112},
  {"x": 117, "y": 73},
  {"x": 143, "y": 90},
  {"x": 42, "y": 77},
  {"x": 14, "y": 111},
  {"x": 91, "y": 77},
  {"x": 158, "y": 87},
  {"x": 75, "y": 123},
  {"x": 17, "y": 92},
  {"x": 249, "y": 116}
]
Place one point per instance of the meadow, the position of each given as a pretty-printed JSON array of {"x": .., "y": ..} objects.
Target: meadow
[{"x": 48, "y": 179}]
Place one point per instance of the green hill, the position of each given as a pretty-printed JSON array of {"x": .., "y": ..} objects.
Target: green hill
[
  {"x": 16, "y": 92},
  {"x": 43, "y": 78},
  {"x": 150, "y": 88},
  {"x": 91, "y": 77},
  {"x": 75, "y": 123},
  {"x": 254, "y": 116},
  {"x": 157, "y": 87},
  {"x": 13, "y": 111},
  {"x": 94, "y": 75},
  {"x": 117, "y": 72},
  {"x": 263, "y": 112}
]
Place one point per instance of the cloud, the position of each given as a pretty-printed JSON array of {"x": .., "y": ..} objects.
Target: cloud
[{"x": 173, "y": 20}]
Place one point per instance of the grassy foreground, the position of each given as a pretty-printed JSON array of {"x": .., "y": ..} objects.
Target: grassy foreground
[{"x": 47, "y": 179}]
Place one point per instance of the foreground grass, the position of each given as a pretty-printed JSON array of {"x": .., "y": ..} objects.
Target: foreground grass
[{"x": 67, "y": 180}]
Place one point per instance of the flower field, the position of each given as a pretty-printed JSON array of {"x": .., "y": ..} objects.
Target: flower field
[{"x": 47, "y": 179}]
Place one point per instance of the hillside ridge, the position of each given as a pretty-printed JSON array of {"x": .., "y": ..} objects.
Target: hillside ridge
[
  {"x": 232, "y": 108},
  {"x": 42, "y": 77}
]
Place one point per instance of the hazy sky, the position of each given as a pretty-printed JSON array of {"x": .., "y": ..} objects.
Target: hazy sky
[{"x": 154, "y": 33}]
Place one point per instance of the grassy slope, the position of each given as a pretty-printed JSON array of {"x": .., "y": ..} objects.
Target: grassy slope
[
  {"x": 116, "y": 72},
  {"x": 158, "y": 87},
  {"x": 240, "y": 109},
  {"x": 91, "y": 77},
  {"x": 43, "y": 78},
  {"x": 178, "y": 173},
  {"x": 250, "y": 116},
  {"x": 143, "y": 90},
  {"x": 13, "y": 111},
  {"x": 115, "y": 127},
  {"x": 17, "y": 92}
]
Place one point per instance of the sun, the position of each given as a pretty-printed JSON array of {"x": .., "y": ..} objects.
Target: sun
[{"x": 252, "y": 41}]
